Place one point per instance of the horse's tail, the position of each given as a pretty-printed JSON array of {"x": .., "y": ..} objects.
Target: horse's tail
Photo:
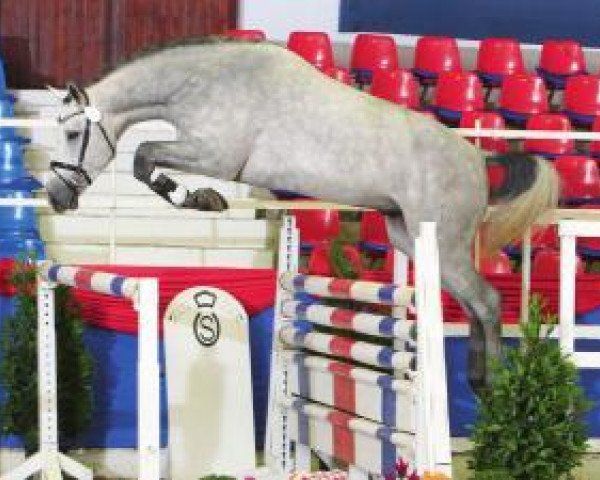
[{"x": 531, "y": 187}]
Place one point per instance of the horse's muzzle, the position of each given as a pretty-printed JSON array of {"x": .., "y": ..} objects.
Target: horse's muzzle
[{"x": 60, "y": 196}]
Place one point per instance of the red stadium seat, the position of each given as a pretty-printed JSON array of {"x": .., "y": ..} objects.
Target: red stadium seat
[
  {"x": 495, "y": 264},
  {"x": 521, "y": 96},
  {"x": 318, "y": 261},
  {"x": 497, "y": 58},
  {"x": 488, "y": 120},
  {"x": 372, "y": 52},
  {"x": 340, "y": 74},
  {"x": 582, "y": 99},
  {"x": 434, "y": 55},
  {"x": 544, "y": 237},
  {"x": 457, "y": 92},
  {"x": 314, "y": 47},
  {"x": 559, "y": 60},
  {"x": 580, "y": 179},
  {"x": 595, "y": 145},
  {"x": 541, "y": 237},
  {"x": 373, "y": 233},
  {"x": 247, "y": 35},
  {"x": 316, "y": 226},
  {"x": 546, "y": 263},
  {"x": 398, "y": 86},
  {"x": 549, "y": 148}
]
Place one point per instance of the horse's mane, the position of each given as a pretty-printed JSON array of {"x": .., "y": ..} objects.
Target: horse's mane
[{"x": 157, "y": 48}]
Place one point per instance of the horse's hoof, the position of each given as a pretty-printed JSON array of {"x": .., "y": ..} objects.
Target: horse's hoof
[
  {"x": 479, "y": 374},
  {"x": 479, "y": 384},
  {"x": 206, "y": 200}
]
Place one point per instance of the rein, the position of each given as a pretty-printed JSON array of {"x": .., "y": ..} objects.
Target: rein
[{"x": 93, "y": 117}]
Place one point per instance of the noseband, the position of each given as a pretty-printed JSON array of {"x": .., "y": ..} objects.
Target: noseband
[{"x": 92, "y": 117}]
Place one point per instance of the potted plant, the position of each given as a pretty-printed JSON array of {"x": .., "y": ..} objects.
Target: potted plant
[{"x": 531, "y": 424}]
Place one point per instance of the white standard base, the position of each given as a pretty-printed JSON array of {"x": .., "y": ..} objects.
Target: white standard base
[
  {"x": 119, "y": 463},
  {"x": 50, "y": 465}
]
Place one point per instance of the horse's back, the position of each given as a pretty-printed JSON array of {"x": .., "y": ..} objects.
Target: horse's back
[{"x": 309, "y": 132}]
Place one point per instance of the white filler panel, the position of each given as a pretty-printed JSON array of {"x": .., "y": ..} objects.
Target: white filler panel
[{"x": 211, "y": 428}]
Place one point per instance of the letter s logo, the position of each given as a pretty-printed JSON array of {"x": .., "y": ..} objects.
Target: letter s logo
[{"x": 207, "y": 327}]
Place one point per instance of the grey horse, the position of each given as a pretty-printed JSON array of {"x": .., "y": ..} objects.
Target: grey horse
[{"x": 258, "y": 114}]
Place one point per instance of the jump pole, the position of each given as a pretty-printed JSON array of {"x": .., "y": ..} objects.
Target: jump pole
[
  {"x": 552, "y": 216},
  {"x": 52, "y": 123},
  {"x": 431, "y": 429},
  {"x": 143, "y": 293}
]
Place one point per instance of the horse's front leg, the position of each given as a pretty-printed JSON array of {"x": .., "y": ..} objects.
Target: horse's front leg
[{"x": 180, "y": 156}]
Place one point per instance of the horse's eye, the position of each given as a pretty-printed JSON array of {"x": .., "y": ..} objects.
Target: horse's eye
[{"x": 72, "y": 135}]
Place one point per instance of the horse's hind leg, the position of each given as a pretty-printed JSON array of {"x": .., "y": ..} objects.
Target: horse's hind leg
[
  {"x": 178, "y": 156},
  {"x": 398, "y": 234},
  {"x": 482, "y": 304},
  {"x": 476, "y": 296}
]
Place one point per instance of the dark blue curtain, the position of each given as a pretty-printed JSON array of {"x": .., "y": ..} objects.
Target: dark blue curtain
[{"x": 529, "y": 21}]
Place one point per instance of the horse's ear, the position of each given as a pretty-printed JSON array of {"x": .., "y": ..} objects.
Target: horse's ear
[
  {"x": 60, "y": 96},
  {"x": 77, "y": 94},
  {"x": 72, "y": 93}
]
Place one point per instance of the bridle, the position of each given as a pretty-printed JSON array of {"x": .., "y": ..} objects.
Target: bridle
[{"x": 93, "y": 116}]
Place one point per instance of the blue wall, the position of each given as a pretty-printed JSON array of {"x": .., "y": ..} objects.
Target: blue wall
[
  {"x": 530, "y": 21},
  {"x": 114, "y": 418}
]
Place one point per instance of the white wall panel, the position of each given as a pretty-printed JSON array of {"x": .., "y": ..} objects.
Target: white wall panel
[
  {"x": 245, "y": 258},
  {"x": 147, "y": 229}
]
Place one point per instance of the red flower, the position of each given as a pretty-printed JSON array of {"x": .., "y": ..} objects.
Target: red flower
[
  {"x": 401, "y": 468},
  {"x": 7, "y": 266}
]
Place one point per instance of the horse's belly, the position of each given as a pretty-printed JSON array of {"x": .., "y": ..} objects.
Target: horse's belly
[{"x": 352, "y": 188}]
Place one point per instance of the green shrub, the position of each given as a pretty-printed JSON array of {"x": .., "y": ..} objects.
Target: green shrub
[
  {"x": 341, "y": 266},
  {"x": 530, "y": 422},
  {"x": 492, "y": 475},
  {"x": 18, "y": 366}
]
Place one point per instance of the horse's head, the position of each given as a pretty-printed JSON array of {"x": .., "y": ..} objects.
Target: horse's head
[{"x": 89, "y": 147}]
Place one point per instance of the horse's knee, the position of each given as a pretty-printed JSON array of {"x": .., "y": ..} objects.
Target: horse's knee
[
  {"x": 482, "y": 301},
  {"x": 492, "y": 302},
  {"x": 142, "y": 165},
  {"x": 492, "y": 299}
]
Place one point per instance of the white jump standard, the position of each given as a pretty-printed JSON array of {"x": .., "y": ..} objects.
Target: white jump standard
[
  {"x": 144, "y": 295},
  {"x": 569, "y": 231},
  {"x": 367, "y": 419}
]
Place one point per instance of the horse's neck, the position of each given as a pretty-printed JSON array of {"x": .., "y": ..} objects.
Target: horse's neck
[
  {"x": 123, "y": 120},
  {"x": 144, "y": 89},
  {"x": 131, "y": 95}
]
